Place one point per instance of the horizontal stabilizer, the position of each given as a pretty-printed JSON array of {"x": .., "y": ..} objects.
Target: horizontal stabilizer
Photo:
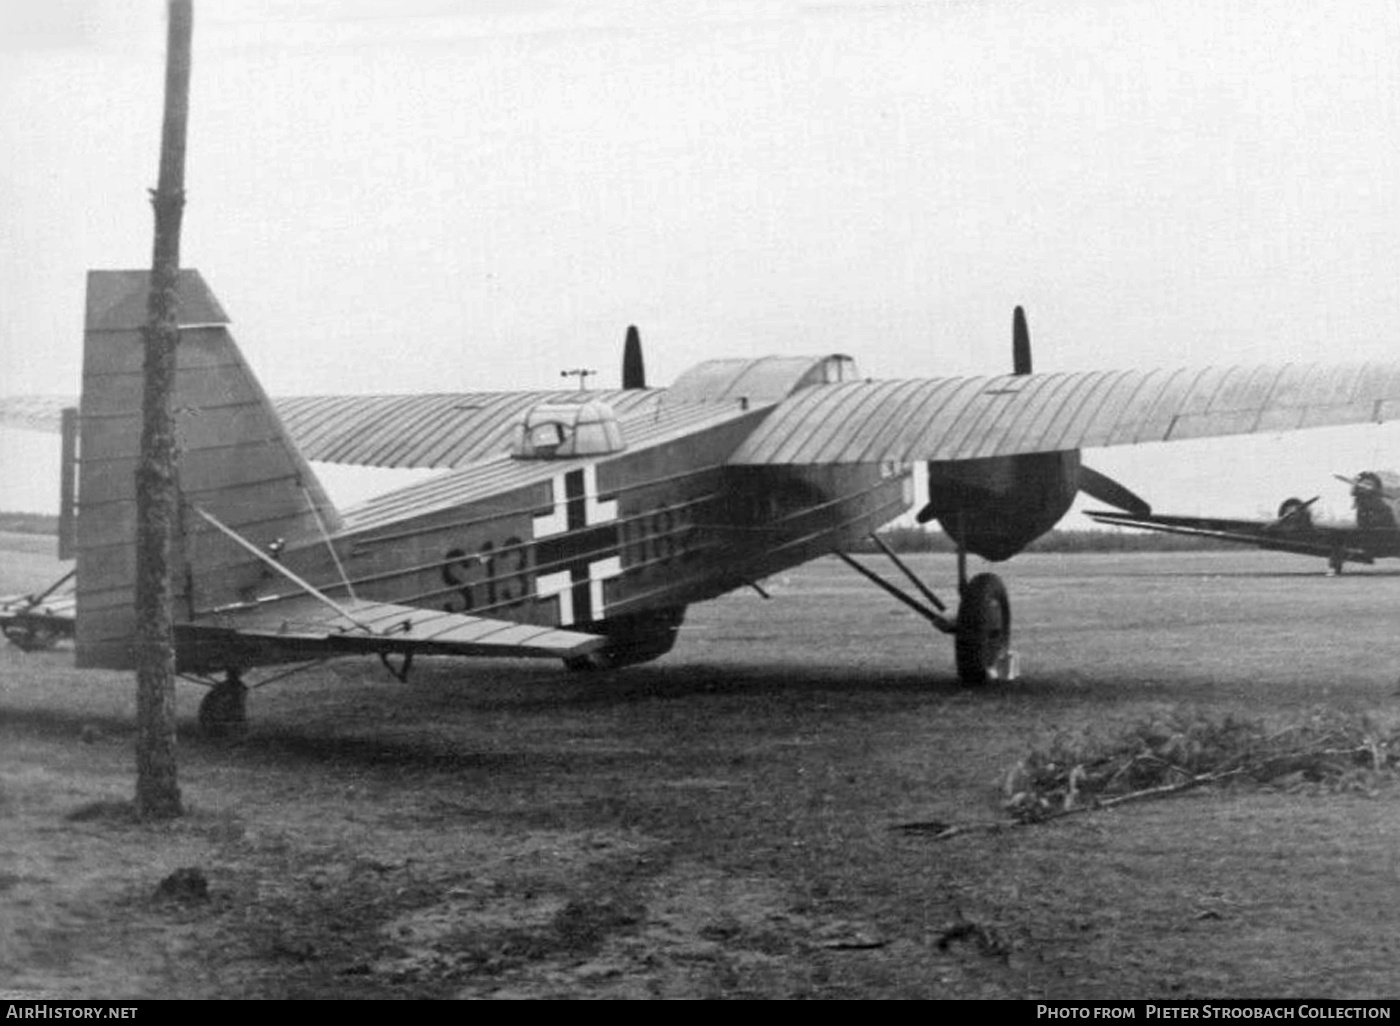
[
  {"x": 39, "y": 620},
  {"x": 302, "y": 626},
  {"x": 60, "y": 606}
]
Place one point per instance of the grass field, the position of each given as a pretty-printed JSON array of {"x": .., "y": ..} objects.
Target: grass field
[{"x": 722, "y": 822}]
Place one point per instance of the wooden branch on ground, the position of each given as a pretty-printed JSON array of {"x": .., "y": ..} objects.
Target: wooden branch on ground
[{"x": 938, "y": 831}]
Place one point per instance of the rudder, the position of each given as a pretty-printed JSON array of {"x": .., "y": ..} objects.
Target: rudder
[{"x": 236, "y": 462}]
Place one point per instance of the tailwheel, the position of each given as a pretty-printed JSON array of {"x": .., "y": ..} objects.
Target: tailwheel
[
  {"x": 982, "y": 638},
  {"x": 223, "y": 713},
  {"x": 633, "y": 640}
]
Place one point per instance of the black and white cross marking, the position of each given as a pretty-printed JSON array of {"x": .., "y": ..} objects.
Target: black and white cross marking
[{"x": 577, "y": 546}]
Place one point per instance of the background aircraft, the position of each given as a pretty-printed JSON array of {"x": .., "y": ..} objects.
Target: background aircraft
[
  {"x": 580, "y": 525},
  {"x": 1375, "y": 534}
]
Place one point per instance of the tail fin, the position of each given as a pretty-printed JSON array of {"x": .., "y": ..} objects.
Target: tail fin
[{"x": 236, "y": 462}]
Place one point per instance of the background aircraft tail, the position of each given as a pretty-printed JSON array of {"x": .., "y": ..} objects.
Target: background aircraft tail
[{"x": 236, "y": 463}]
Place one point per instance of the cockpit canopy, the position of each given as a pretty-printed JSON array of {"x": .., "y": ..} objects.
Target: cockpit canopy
[{"x": 561, "y": 430}]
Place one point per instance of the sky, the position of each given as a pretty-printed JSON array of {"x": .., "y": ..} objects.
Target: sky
[{"x": 422, "y": 195}]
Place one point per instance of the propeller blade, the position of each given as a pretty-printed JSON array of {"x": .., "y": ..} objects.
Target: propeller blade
[
  {"x": 1366, "y": 482},
  {"x": 1020, "y": 343},
  {"x": 634, "y": 374},
  {"x": 1105, "y": 489}
]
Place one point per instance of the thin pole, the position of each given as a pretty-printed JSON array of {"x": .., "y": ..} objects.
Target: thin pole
[{"x": 157, "y": 786}]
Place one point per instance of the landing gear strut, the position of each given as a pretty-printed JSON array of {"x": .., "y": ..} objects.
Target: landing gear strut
[
  {"x": 223, "y": 713},
  {"x": 981, "y": 629}
]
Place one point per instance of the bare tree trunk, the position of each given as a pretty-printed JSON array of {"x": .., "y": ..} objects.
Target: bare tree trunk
[{"x": 157, "y": 787}]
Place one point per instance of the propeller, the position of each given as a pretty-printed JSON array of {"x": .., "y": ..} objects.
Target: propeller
[
  {"x": 634, "y": 374},
  {"x": 1367, "y": 482},
  {"x": 1020, "y": 343},
  {"x": 1105, "y": 489},
  {"x": 1293, "y": 509},
  {"x": 1041, "y": 485}
]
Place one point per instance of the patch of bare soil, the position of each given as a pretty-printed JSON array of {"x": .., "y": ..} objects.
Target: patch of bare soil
[{"x": 401, "y": 882}]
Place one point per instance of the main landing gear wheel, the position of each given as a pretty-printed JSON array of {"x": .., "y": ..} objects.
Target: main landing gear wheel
[
  {"x": 983, "y": 633},
  {"x": 223, "y": 713}
]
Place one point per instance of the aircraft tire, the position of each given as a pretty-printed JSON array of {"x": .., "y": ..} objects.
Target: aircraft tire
[
  {"x": 223, "y": 712},
  {"x": 984, "y": 628},
  {"x": 634, "y": 640}
]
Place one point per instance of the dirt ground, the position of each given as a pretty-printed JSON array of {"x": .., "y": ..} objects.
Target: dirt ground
[{"x": 723, "y": 823}]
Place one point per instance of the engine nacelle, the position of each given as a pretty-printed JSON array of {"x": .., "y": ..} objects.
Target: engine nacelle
[
  {"x": 996, "y": 507},
  {"x": 1374, "y": 494},
  {"x": 1295, "y": 515}
]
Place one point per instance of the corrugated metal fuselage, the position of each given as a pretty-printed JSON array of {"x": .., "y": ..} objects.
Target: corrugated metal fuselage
[{"x": 581, "y": 542}]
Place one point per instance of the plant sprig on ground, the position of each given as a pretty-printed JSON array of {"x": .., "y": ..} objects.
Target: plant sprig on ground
[{"x": 1183, "y": 749}]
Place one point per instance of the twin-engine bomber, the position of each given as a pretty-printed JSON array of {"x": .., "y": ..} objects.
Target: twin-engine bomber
[{"x": 580, "y": 525}]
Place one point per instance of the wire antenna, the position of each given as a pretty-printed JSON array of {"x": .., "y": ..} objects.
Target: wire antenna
[{"x": 582, "y": 373}]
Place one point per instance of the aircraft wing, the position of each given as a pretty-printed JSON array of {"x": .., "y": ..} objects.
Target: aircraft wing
[
  {"x": 304, "y": 625},
  {"x": 866, "y": 421},
  {"x": 450, "y": 430},
  {"x": 973, "y": 418},
  {"x": 434, "y": 430},
  {"x": 1311, "y": 540}
]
